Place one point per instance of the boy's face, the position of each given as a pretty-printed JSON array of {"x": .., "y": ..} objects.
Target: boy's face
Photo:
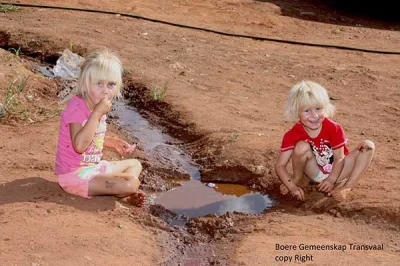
[
  {"x": 102, "y": 89},
  {"x": 311, "y": 117}
]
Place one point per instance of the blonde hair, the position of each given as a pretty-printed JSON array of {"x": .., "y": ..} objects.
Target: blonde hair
[
  {"x": 100, "y": 65},
  {"x": 307, "y": 93}
]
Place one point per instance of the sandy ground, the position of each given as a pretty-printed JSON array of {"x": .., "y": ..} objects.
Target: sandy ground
[{"x": 225, "y": 102}]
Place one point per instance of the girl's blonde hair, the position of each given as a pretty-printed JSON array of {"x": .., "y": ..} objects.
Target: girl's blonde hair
[
  {"x": 307, "y": 93},
  {"x": 100, "y": 65}
]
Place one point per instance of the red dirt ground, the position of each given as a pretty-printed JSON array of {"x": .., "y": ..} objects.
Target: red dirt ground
[{"x": 225, "y": 100}]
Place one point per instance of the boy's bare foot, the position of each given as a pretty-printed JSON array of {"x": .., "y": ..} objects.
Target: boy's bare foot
[
  {"x": 284, "y": 190},
  {"x": 136, "y": 199},
  {"x": 340, "y": 194}
]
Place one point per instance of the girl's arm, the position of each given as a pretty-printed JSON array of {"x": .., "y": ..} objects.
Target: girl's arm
[
  {"x": 81, "y": 137},
  {"x": 337, "y": 167},
  {"x": 109, "y": 142},
  {"x": 282, "y": 172},
  {"x": 121, "y": 146}
]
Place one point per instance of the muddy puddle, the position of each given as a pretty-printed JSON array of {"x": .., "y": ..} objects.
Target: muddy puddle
[{"x": 190, "y": 197}]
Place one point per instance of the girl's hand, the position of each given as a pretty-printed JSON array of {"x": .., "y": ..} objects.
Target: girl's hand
[
  {"x": 123, "y": 148},
  {"x": 298, "y": 193},
  {"x": 103, "y": 107},
  {"x": 325, "y": 186}
]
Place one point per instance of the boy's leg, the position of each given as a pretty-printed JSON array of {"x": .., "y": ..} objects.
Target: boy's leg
[{"x": 355, "y": 165}]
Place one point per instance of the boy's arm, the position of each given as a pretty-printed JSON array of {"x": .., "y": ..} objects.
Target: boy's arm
[{"x": 81, "y": 137}]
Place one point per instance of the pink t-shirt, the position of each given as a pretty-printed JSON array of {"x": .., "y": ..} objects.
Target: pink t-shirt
[
  {"x": 330, "y": 138},
  {"x": 67, "y": 159}
]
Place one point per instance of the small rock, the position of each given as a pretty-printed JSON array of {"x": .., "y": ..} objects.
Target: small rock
[
  {"x": 121, "y": 226},
  {"x": 211, "y": 185},
  {"x": 307, "y": 13}
]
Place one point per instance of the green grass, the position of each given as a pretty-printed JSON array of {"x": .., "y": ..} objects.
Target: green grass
[
  {"x": 22, "y": 105},
  {"x": 233, "y": 137},
  {"x": 158, "y": 93},
  {"x": 127, "y": 70},
  {"x": 11, "y": 104},
  {"x": 17, "y": 52},
  {"x": 5, "y": 8}
]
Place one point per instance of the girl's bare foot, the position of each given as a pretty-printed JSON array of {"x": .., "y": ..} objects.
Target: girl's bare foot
[
  {"x": 136, "y": 199},
  {"x": 284, "y": 190},
  {"x": 340, "y": 193}
]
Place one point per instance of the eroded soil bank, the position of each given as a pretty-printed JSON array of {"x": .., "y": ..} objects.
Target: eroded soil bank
[{"x": 224, "y": 104}]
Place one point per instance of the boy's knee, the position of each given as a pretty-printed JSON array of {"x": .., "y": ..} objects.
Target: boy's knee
[{"x": 301, "y": 148}]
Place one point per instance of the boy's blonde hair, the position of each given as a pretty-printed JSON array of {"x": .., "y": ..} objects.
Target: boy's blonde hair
[
  {"x": 307, "y": 93},
  {"x": 100, "y": 65}
]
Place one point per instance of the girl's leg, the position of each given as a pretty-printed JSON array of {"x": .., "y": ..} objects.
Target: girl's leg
[
  {"x": 303, "y": 162},
  {"x": 123, "y": 181},
  {"x": 355, "y": 165}
]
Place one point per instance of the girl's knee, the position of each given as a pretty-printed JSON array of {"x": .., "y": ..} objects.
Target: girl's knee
[
  {"x": 367, "y": 145},
  {"x": 135, "y": 164},
  {"x": 132, "y": 185},
  {"x": 301, "y": 148}
]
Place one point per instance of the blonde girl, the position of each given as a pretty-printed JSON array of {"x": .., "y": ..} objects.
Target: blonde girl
[
  {"x": 317, "y": 146},
  {"x": 82, "y": 136}
]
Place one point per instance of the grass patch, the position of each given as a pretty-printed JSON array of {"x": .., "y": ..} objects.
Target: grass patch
[
  {"x": 25, "y": 106},
  {"x": 11, "y": 102},
  {"x": 6, "y": 8},
  {"x": 127, "y": 71},
  {"x": 233, "y": 137},
  {"x": 16, "y": 52},
  {"x": 158, "y": 93}
]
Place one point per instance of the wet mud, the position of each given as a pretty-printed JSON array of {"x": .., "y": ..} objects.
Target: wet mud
[{"x": 195, "y": 230}]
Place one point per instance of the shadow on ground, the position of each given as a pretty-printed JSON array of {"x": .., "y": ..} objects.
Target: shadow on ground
[
  {"x": 38, "y": 189},
  {"x": 371, "y": 14}
]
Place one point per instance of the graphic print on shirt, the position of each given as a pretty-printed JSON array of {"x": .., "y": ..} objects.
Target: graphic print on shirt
[
  {"x": 94, "y": 152},
  {"x": 323, "y": 154}
]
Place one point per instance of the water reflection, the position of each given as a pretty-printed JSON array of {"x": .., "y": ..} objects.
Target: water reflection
[
  {"x": 194, "y": 199},
  {"x": 148, "y": 135},
  {"x": 248, "y": 204},
  {"x": 190, "y": 197}
]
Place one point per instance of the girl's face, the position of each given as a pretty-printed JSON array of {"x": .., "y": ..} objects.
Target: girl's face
[
  {"x": 311, "y": 117},
  {"x": 102, "y": 89}
]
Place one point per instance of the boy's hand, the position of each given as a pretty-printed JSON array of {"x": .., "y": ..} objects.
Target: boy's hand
[
  {"x": 103, "y": 107},
  {"x": 298, "y": 193},
  {"x": 325, "y": 186}
]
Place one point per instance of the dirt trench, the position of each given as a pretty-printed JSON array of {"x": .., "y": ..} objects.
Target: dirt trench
[{"x": 203, "y": 240}]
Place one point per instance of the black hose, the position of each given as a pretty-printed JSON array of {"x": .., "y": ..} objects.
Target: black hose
[{"x": 209, "y": 30}]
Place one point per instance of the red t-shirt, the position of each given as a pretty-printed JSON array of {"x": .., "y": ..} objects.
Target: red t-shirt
[{"x": 330, "y": 138}]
